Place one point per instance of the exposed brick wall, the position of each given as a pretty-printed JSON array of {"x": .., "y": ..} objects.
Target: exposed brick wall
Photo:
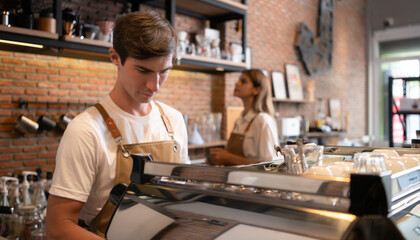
[{"x": 271, "y": 33}]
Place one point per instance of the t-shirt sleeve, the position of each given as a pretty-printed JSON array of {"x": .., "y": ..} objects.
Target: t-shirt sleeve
[
  {"x": 268, "y": 137},
  {"x": 75, "y": 163}
]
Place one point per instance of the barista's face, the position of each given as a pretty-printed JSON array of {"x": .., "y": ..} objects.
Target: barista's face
[
  {"x": 244, "y": 88},
  {"x": 142, "y": 79}
]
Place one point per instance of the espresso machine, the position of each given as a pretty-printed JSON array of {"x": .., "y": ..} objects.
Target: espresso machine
[{"x": 177, "y": 201}]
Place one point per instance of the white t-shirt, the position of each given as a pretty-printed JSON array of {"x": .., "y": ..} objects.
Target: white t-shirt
[
  {"x": 260, "y": 138},
  {"x": 86, "y": 157}
]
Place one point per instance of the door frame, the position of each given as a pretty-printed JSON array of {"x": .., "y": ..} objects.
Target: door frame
[{"x": 374, "y": 78}]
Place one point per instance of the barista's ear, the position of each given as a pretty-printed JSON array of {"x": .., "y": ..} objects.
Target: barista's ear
[
  {"x": 115, "y": 58},
  {"x": 257, "y": 90}
]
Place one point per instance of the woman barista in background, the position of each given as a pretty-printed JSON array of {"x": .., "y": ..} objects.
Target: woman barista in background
[{"x": 255, "y": 132}]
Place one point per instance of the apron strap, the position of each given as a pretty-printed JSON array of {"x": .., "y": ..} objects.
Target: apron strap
[
  {"x": 165, "y": 120},
  {"x": 250, "y": 123},
  {"x": 168, "y": 126},
  {"x": 109, "y": 121},
  {"x": 112, "y": 127}
]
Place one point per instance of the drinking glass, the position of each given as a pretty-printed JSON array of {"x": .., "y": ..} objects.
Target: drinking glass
[
  {"x": 369, "y": 162},
  {"x": 300, "y": 159}
]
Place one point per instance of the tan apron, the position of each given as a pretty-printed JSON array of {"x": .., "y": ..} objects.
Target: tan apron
[
  {"x": 235, "y": 143},
  {"x": 165, "y": 151}
]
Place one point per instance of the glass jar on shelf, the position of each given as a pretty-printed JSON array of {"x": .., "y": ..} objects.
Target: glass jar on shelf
[{"x": 30, "y": 222}]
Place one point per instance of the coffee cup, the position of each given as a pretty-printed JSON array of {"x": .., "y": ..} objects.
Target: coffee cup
[
  {"x": 395, "y": 165},
  {"x": 46, "y": 123},
  {"x": 409, "y": 162},
  {"x": 26, "y": 125},
  {"x": 388, "y": 152}
]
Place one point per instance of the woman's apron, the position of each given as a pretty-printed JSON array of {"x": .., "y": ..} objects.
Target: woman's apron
[
  {"x": 235, "y": 143},
  {"x": 165, "y": 151}
]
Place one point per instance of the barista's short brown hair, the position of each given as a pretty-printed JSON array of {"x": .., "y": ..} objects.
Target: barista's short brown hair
[{"x": 143, "y": 35}]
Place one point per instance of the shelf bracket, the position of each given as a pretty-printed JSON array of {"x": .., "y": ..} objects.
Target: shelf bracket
[{"x": 170, "y": 6}]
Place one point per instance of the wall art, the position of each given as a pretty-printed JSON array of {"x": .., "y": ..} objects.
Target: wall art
[
  {"x": 316, "y": 51},
  {"x": 279, "y": 85},
  {"x": 294, "y": 83}
]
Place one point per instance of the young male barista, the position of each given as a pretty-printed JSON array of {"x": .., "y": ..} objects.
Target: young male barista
[{"x": 92, "y": 158}]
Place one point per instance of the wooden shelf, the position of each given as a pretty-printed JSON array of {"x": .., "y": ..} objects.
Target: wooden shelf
[
  {"x": 291, "y": 101},
  {"x": 205, "y": 8},
  {"x": 28, "y": 32},
  {"x": 203, "y": 63},
  {"x": 87, "y": 41},
  {"x": 206, "y": 145},
  {"x": 214, "y": 10},
  {"x": 323, "y": 134}
]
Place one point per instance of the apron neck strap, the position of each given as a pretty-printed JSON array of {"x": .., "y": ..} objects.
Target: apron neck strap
[
  {"x": 112, "y": 127},
  {"x": 165, "y": 120},
  {"x": 109, "y": 121},
  {"x": 116, "y": 133},
  {"x": 250, "y": 123}
]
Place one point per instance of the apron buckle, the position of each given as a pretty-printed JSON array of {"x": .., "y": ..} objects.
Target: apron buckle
[
  {"x": 125, "y": 152},
  {"x": 175, "y": 148}
]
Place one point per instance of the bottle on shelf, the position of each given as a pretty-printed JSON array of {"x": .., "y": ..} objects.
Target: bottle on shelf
[
  {"x": 5, "y": 217},
  {"x": 48, "y": 183},
  {"x": 5, "y": 199},
  {"x": 24, "y": 188},
  {"x": 38, "y": 195},
  {"x": 30, "y": 221},
  {"x": 4, "y": 192},
  {"x": 14, "y": 200}
]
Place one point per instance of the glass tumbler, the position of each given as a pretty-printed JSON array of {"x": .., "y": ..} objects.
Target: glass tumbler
[
  {"x": 369, "y": 162},
  {"x": 300, "y": 159}
]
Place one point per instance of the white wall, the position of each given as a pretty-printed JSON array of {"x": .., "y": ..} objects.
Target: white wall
[{"x": 404, "y": 12}]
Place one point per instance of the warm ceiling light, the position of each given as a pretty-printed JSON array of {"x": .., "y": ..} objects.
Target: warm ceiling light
[
  {"x": 220, "y": 69},
  {"x": 22, "y": 44}
]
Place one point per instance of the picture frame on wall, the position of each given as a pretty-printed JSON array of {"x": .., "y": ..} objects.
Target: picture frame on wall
[
  {"x": 279, "y": 85},
  {"x": 335, "y": 113},
  {"x": 294, "y": 82}
]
